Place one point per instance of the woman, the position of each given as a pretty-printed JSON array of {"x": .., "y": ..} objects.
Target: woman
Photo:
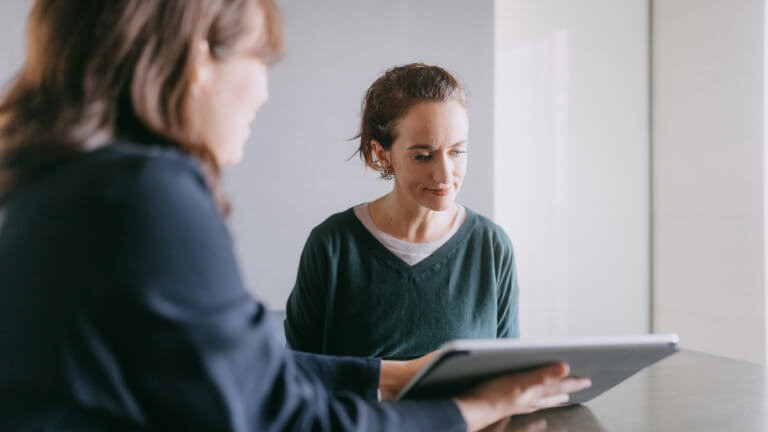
[
  {"x": 121, "y": 305},
  {"x": 397, "y": 277}
]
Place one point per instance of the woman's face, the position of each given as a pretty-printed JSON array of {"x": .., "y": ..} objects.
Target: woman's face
[
  {"x": 429, "y": 155},
  {"x": 224, "y": 97}
]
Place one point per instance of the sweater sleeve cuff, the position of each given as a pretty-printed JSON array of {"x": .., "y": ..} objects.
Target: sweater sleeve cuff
[
  {"x": 343, "y": 374},
  {"x": 370, "y": 376}
]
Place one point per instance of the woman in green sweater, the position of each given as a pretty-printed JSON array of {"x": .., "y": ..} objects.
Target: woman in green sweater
[{"x": 397, "y": 277}]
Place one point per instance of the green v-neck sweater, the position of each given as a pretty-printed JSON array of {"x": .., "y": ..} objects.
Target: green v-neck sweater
[{"x": 354, "y": 297}]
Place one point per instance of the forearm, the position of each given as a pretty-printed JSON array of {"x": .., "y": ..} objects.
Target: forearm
[
  {"x": 476, "y": 413},
  {"x": 396, "y": 374},
  {"x": 393, "y": 377}
]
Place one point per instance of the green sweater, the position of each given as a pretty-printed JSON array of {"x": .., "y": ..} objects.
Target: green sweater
[{"x": 354, "y": 297}]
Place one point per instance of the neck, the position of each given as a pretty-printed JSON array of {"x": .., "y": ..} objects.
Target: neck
[{"x": 405, "y": 219}]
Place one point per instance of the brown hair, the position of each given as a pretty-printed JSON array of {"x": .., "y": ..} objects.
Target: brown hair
[
  {"x": 391, "y": 96},
  {"x": 97, "y": 70}
]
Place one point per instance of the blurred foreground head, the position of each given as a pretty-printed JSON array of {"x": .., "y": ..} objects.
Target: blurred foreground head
[{"x": 145, "y": 70}]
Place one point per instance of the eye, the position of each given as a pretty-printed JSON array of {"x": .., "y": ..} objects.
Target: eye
[
  {"x": 421, "y": 156},
  {"x": 458, "y": 153}
]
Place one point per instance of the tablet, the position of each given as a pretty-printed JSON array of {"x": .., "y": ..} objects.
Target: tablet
[{"x": 462, "y": 364}]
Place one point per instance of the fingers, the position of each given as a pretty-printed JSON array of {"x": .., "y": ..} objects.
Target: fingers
[
  {"x": 557, "y": 370},
  {"x": 553, "y": 380},
  {"x": 563, "y": 386},
  {"x": 572, "y": 385},
  {"x": 520, "y": 393},
  {"x": 541, "y": 376},
  {"x": 553, "y": 401}
]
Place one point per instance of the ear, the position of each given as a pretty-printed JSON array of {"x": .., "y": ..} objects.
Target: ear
[
  {"x": 381, "y": 155},
  {"x": 202, "y": 64}
]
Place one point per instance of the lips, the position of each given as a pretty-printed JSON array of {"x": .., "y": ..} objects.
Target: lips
[{"x": 440, "y": 191}]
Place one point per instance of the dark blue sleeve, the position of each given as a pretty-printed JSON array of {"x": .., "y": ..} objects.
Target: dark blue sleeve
[
  {"x": 342, "y": 374},
  {"x": 189, "y": 349}
]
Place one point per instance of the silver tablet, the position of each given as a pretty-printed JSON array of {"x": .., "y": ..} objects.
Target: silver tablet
[{"x": 607, "y": 361}]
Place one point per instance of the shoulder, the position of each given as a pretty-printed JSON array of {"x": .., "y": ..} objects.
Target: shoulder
[
  {"x": 128, "y": 188},
  {"x": 339, "y": 231},
  {"x": 336, "y": 225},
  {"x": 157, "y": 177},
  {"x": 116, "y": 177},
  {"x": 484, "y": 226},
  {"x": 155, "y": 204},
  {"x": 86, "y": 174},
  {"x": 135, "y": 164},
  {"x": 488, "y": 235}
]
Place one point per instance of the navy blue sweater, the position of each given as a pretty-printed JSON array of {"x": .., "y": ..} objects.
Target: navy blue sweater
[{"x": 122, "y": 308}]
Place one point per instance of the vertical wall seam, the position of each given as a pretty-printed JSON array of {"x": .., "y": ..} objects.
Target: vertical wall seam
[
  {"x": 651, "y": 233},
  {"x": 765, "y": 182}
]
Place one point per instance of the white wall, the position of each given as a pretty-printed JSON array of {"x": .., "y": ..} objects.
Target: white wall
[
  {"x": 571, "y": 161},
  {"x": 708, "y": 148},
  {"x": 295, "y": 172}
]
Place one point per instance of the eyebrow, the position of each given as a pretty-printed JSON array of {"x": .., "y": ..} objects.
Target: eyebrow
[{"x": 429, "y": 147}]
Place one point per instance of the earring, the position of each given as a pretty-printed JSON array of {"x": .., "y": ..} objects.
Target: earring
[{"x": 387, "y": 173}]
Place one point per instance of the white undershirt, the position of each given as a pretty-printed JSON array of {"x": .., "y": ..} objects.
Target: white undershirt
[{"x": 411, "y": 253}]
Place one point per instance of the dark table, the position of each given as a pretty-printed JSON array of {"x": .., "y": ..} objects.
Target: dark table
[{"x": 687, "y": 392}]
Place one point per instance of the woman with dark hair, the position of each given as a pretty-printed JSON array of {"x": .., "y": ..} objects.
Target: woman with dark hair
[
  {"x": 399, "y": 276},
  {"x": 121, "y": 304}
]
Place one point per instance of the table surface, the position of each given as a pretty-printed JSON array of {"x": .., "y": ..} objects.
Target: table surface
[{"x": 689, "y": 391}]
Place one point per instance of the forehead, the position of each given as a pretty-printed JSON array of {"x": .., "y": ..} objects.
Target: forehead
[
  {"x": 434, "y": 121},
  {"x": 259, "y": 34}
]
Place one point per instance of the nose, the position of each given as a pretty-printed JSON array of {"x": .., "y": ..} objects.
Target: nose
[
  {"x": 443, "y": 170},
  {"x": 261, "y": 91},
  {"x": 259, "y": 99}
]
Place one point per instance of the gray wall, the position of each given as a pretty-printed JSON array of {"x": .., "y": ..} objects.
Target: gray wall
[
  {"x": 12, "y": 20},
  {"x": 295, "y": 172},
  {"x": 13, "y": 14}
]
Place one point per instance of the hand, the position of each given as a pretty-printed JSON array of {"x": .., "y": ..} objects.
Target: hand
[
  {"x": 396, "y": 374},
  {"x": 521, "y": 393}
]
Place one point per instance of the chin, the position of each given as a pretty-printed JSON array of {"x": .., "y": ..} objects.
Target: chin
[
  {"x": 230, "y": 159},
  {"x": 234, "y": 156},
  {"x": 439, "y": 204}
]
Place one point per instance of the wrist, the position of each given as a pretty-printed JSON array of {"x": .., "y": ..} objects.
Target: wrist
[
  {"x": 476, "y": 413},
  {"x": 394, "y": 375}
]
